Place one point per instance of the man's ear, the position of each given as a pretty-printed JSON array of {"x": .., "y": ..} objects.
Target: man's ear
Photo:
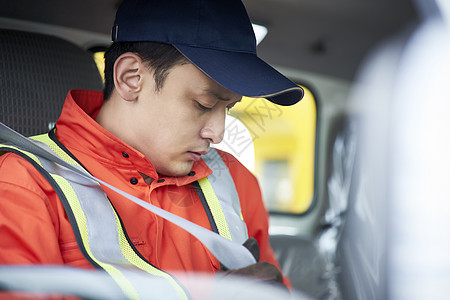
[{"x": 128, "y": 76}]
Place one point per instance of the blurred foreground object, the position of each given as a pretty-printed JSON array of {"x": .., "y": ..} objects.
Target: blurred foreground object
[
  {"x": 395, "y": 243},
  {"x": 87, "y": 284}
]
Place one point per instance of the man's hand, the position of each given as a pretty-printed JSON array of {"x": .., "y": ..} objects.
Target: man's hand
[{"x": 262, "y": 271}]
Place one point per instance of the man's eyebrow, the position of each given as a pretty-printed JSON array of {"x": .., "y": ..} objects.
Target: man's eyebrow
[{"x": 217, "y": 95}]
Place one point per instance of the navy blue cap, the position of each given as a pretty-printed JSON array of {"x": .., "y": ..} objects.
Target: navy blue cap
[{"x": 215, "y": 35}]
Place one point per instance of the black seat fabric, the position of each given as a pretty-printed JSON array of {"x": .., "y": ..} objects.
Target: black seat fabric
[
  {"x": 36, "y": 72},
  {"x": 301, "y": 261}
]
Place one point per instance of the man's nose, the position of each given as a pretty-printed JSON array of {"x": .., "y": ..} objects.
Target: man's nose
[{"x": 214, "y": 129}]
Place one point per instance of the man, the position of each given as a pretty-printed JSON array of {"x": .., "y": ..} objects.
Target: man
[{"x": 173, "y": 71}]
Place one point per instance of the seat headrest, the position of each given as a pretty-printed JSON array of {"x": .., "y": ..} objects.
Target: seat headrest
[{"x": 36, "y": 72}]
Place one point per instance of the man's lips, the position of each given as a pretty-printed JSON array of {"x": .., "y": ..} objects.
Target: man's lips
[{"x": 196, "y": 155}]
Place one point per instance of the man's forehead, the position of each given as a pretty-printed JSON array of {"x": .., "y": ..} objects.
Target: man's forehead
[{"x": 222, "y": 94}]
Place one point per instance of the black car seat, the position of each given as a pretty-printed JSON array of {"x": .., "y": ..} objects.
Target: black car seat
[{"x": 36, "y": 72}]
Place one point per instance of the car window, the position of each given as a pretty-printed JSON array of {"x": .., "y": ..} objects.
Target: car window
[
  {"x": 100, "y": 61},
  {"x": 284, "y": 143}
]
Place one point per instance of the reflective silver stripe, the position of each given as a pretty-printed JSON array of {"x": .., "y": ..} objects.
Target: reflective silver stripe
[
  {"x": 225, "y": 190},
  {"x": 103, "y": 234},
  {"x": 100, "y": 219}
]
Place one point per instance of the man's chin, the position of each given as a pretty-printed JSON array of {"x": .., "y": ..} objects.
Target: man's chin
[{"x": 177, "y": 171}]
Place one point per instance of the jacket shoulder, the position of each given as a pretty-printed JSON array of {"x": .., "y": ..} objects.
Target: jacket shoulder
[
  {"x": 18, "y": 171},
  {"x": 237, "y": 169},
  {"x": 230, "y": 160}
]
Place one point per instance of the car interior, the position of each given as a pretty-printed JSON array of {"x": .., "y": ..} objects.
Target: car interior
[{"x": 330, "y": 213}]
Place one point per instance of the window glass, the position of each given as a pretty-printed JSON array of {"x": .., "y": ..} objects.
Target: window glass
[
  {"x": 279, "y": 192},
  {"x": 284, "y": 145},
  {"x": 100, "y": 61}
]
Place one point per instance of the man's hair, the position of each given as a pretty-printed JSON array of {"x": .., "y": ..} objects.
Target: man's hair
[{"x": 159, "y": 57}]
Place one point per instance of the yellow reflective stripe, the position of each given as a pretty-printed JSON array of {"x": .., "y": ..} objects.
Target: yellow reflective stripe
[
  {"x": 214, "y": 206},
  {"x": 125, "y": 247},
  {"x": 44, "y": 138},
  {"x": 68, "y": 191},
  {"x": 71, "y": 196},
  {"x": 132, "y": 257},
  {"x": 32, "y": 156}
]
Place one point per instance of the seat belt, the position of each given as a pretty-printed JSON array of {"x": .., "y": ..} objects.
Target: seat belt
[
  {"x": 231, "y": 254},
  {"x": 226, "y": 212}
]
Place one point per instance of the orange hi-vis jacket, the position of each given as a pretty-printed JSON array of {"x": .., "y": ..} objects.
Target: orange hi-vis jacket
[{"x": 35, "y": 229}]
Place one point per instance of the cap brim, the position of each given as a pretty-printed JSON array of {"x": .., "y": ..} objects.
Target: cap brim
[{"x": 244, "y": 73}]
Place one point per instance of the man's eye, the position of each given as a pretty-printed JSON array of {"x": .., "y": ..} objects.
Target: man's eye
[{"x": 202, "y": 107}]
